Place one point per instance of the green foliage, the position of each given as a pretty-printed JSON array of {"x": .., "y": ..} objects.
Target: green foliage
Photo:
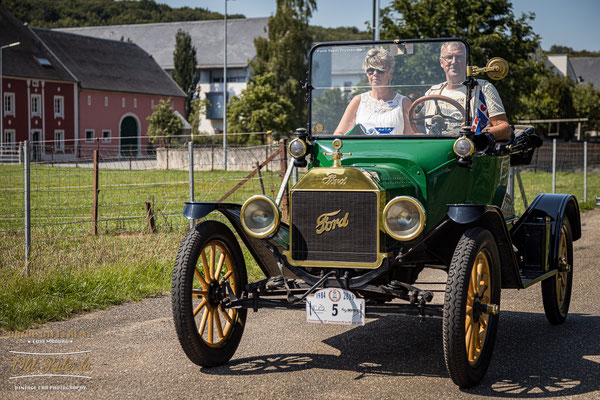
[
  {"x": 280, "y": 65},
  {"x": 586, "y": 101},
  {"x": 557, "y": 49},
  {"x": 328, "y": 107},
  {"x": 184, "y": 61},
  {"x": 490, "y": 27},
  {"x": 163, "y": 124},
  {"x": 71, "y": 13},
  {"x": 260, "y": 108},
  {"x": 344, "y": 33}
]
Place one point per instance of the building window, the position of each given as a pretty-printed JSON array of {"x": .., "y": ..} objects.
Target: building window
[
  {"x": 59, "y": 140},
  {"x": 134, "y": 103},
  {"x": 214, "y": 109},
  {"x": 89, "y": 135},
  {"x": 89, "y": 100},
  {"x": 59, "y": 102},
  {"x": 152, "y": 104},
  {"x": 105, "y": 101},
  {"x": 36, "y": 102},
  {"x": 106, "y": 136},
  {"x": 9, "y": 139},
  {"x": 9, "y": 104},
  {"x": 123, "y": 102}
]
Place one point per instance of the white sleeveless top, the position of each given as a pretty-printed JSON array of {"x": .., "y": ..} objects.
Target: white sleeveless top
[{"x": 381, "y": 117}]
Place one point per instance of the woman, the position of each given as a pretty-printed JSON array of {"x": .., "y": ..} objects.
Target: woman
[{"x": 380, "y": 110}]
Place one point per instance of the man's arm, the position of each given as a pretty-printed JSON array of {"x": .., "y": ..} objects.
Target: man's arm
[{"x": 499, "y": 127}]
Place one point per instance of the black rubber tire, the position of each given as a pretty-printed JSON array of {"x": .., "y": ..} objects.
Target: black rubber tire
[
  {"x": 472, "y": 242},
  {"x": 197, "y": 350},
  {"x": 555, "y": 312}
]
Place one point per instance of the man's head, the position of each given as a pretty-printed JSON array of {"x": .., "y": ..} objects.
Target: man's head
[
  {"x": 453, "y": 61},
  {"x": 378, "y": 65}
]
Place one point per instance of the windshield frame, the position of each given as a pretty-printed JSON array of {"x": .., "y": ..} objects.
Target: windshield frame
[{"x": 310, "y": 88}]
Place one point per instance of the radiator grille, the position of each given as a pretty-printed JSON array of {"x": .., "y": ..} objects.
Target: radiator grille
[{"x": 354, "y": 241}]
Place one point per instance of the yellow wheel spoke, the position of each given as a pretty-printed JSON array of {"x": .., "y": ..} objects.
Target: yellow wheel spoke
[
  {"x": 211, "y": 264},
  {"x": 226, "y": 314},
  {"x": 200, "y": 306},
  {"x": 199, "y": 293},
  {"x": 218, "y": 325},
  {"x": 205, "y": 265},
  {"x": 200, "y": 278},
  {"x": 227, "y": 275},
  {"x": 203, "y": 322},
  {"x": 219, "y": 266},
  {"x": 209, "y": 332}
]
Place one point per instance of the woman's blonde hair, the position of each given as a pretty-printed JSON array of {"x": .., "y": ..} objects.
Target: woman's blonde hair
[{"x": 379, "y": 58}]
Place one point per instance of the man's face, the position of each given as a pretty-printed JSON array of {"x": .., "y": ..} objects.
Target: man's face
[{"x": 453, "y": 62}]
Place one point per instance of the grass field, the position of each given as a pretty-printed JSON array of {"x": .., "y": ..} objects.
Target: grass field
[{"x": 73, "y": 271}]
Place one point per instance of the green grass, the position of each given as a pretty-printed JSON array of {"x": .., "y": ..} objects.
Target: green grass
[{"x": 72, "y": 271}]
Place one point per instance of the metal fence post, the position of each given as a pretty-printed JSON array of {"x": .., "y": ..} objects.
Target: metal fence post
[
  {"x": 191, "y": 175},
  {"x": 27, "y": 183},
  {"x": 585, "y": 153},
  {"x": 95, "y": 198},
  {"x": 553, "y": 165}
]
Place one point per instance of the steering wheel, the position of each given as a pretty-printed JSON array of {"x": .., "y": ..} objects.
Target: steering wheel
[{"x": 438, "y": 120}]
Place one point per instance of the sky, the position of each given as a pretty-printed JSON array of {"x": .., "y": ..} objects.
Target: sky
[{"x": 572, "y": 23}]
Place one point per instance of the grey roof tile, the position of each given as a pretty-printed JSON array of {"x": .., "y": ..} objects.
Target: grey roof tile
[
  {"x": 588, "y": 68},
  {"x": 207, "y": 36}
]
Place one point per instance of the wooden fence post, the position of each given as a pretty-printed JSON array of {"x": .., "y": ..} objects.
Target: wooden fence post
[{"x": 150, "y": 217}]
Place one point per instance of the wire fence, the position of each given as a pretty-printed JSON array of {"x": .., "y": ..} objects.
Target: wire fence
[
  {"x": 78, "y": 202},
  {"x": 115, "y": 193}
]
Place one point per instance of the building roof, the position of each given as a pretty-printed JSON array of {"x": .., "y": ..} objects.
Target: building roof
[
  {"x": 109, "y": 64},
  {"x": 562, "y": 64},
  {"x": 26, "y": 59},
  {"x": 587, "y": 70},
  {"x": 207, "y": 37}
]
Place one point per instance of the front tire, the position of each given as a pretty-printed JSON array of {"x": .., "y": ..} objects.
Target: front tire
[
  {"x": 471, "y": 304},
  {"x": 556, "y": 291},
  {"x": 208, "y": 257}
]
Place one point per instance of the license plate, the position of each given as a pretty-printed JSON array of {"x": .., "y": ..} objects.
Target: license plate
[{"x": 335, "y": 306}]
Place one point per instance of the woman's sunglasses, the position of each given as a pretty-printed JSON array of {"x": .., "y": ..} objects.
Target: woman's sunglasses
[{"x": 371, "y": 71}]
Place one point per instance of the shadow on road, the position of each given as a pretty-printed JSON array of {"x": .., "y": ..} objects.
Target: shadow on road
[{"x": 532, "y": 359}]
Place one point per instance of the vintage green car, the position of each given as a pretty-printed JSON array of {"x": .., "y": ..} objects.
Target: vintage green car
[{"x": 377, "y": 206}]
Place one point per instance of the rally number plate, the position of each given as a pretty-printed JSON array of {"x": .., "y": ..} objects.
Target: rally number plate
[{"x": 335, "y": 306}]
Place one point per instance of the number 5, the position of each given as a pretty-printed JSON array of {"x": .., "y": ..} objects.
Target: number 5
[{"x": 335, "y": 310}]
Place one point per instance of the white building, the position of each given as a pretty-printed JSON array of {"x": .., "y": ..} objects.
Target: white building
[{"x": 208, "y": 38}]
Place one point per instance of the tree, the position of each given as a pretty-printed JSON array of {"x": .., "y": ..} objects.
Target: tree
[
  {"x": 489, "y": 26},
  {"x": 280, "y": 65},
  {"x": 586, "y": 101},
  {"x": 184, "y": 61},
  {"x": 163, "y": 124},
  {"x": 260, "y": 108}
]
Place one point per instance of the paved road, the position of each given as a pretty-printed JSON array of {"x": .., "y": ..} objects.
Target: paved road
[{"x": 135, "y": 353}]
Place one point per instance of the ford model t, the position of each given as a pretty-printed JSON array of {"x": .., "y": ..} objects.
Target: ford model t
[{"x": 379, "y": 203}]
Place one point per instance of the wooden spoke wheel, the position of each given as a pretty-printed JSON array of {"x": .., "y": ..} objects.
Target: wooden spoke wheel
[
  {"x": 556, "y": 290},
  {"x": 209, "y": 263},
  {"x": 471, "y": 307}
]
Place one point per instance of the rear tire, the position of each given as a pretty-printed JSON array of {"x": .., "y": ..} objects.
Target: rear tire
[
  {"x": 208, "y": 256},
  {"x": 556, "y": 291},
  {"x": 471, "y": 307}
]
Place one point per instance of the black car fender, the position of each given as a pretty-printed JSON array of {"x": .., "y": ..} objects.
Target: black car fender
[
  {"x": 491, "y": 218},
  {"x": 263, "y": 256},
  {"x": 553, "y": 208}
]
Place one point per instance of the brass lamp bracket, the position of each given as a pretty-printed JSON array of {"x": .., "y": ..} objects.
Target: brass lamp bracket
[
  {"x": 496, "y": 68},
  {"x": 337, "y": 154}
]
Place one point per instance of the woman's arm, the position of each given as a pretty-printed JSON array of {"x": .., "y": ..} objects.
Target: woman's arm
[{"x": 349, "y": 118}]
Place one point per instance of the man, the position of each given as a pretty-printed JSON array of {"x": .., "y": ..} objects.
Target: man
[{"x": 454, "y": 63}]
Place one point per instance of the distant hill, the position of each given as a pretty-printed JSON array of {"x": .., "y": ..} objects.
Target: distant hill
[
  {"x": 557, "y": 49},
  {"x": 76, "y": 13}
]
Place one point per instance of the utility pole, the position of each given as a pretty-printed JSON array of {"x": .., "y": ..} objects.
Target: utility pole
[{"x": 225, "y": 94}]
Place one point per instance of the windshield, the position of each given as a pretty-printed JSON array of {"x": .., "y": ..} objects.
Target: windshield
[{"x": 388, "y": 88}]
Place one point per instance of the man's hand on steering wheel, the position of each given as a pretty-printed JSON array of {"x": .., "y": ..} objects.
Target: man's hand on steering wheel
[{"x": 438, "y": 120}]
